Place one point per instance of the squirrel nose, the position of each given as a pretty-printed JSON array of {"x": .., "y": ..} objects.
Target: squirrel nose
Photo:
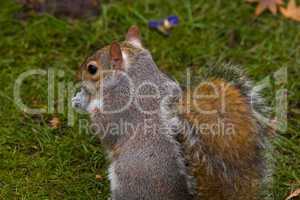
[{"x": 77, "y": 105}]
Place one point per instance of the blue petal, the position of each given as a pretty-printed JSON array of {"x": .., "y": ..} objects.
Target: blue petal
[
  {"x": 174, "y": 20},
  {"x": 153, "y": 24}
]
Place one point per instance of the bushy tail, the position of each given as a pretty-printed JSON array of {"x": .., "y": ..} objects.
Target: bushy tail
[{"x": 223, "y": 141}]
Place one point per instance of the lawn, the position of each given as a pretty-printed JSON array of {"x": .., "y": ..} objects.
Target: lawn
[{"x": 38, "y": 161}]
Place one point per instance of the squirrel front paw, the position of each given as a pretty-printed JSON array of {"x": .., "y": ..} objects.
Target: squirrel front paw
[
  {"x": 80, "y": 100},
  {"x": 94, "y": 106}
]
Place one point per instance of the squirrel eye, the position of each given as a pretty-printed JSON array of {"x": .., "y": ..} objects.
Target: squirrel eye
[{"x": 92, "y": 69}]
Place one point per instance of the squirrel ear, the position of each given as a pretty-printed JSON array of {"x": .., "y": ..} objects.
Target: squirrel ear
[
  {"x": 116, "y": 58},
  {"x": 133, "y": 36}
]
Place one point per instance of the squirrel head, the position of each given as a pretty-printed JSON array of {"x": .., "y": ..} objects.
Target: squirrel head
[
  {"x": 109, "y": 62},
  {"x": 117, "y": 78},
  {"x": 111, "y": 57},
  {"x": 121, "y": 84}
]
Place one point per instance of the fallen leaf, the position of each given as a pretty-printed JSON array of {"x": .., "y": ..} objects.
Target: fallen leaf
[
  {"x": 99, "y": 177},
  {"x": 292, "y": 11},
  {"x": 271, "y": 5},
  {"x": 296, "y": 193},
  {"x": 55, "y": 122},
  {"x": 62, "y": 8}
]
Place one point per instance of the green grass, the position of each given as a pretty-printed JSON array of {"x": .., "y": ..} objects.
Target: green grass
[{"x": 38, "y": 162}]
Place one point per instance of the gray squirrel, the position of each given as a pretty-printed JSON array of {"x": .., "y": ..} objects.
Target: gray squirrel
[{"x": 158, "y": 136}]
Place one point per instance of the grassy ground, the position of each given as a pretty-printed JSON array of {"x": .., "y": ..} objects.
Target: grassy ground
[{"x": 38, "y": 162}]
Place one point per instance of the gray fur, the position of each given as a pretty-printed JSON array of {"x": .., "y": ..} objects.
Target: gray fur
[{"x": 146, "y": 159}]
